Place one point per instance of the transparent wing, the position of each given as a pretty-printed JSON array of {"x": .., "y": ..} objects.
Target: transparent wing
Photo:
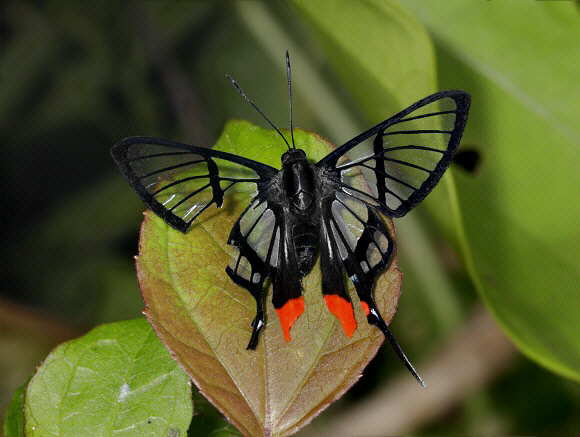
[
  {"x": 256, "y": 238},
  {"x": 404, "y": 157},
  {"x": 366, "y": 248},
  {"x": 178, "y": 181},
  {"x": 360, "y": 237}
]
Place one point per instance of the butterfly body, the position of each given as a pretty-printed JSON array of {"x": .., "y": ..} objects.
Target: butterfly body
[
  {"x": 301, "y": 196},
  {"x": 329, "y": 210}
]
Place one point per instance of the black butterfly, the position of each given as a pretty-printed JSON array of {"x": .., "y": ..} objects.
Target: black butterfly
[{"x": 305, "y": 207}]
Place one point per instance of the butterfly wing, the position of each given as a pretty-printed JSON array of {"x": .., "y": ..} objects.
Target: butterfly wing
[
  {"x": 354, "y": 237},
  {"x": 256, "y": 238},
  {"x": 262, "y": 236},
  {"x": 405, "y": 156},
  {"x": 178, "y": 181}
]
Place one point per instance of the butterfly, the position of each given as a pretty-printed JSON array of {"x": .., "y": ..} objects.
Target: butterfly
[{"x": 307, "y": 208}]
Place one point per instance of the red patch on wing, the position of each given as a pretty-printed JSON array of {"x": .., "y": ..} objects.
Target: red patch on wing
[
  {"x": 365, "y": 308},
  {"x": 342, "y": 309},
  {"x": 289, "y": 313}
]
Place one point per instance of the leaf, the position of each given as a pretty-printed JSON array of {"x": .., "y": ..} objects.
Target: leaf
[
  {"x": 14, "y": 416},
  {"x": 520, "y": 210},
  {"x": 116, "y": 380},
  {"x": 378, "y": 46},
  {"x": 204, "y": 318}
]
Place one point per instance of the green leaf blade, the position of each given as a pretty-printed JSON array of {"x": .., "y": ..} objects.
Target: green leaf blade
[
  {"x": 116, "y": 380},
  {"x": 378, "y": 44},
  {"x": 521, "y": 63},
  {"x": 14, "y": 416}
]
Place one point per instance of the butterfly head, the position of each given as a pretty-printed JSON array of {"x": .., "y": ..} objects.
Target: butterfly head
[{"x": 293, "y": 155}]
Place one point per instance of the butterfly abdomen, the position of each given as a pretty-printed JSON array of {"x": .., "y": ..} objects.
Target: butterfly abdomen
[{"x": 305, "y": 238}]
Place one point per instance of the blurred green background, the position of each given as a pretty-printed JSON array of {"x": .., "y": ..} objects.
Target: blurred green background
[{"x": 79, "y": 76}]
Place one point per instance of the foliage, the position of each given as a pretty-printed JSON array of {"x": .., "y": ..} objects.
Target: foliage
[
  {"x": 116, "y": 380},
  {"x": 78, "y": 77},
  {"x": 523, "y": 252}
]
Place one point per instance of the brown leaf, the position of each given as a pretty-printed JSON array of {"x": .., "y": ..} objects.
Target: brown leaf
[{"x": 204, "y": 318}]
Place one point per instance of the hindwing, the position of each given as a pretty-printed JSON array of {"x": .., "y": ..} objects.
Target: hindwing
[
  {"x": 256, "y": 236},
  {"x": 360, "y": 237}
]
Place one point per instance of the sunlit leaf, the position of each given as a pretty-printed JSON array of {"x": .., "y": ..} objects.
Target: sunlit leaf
[
  {"x": 521, "y": 62},
  {"x": 116, "y": 380},
  {"x": 204, "y": 318},
  {"x": 378, "y": 46}
]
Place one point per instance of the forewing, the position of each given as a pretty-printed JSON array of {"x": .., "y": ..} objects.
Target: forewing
[
  {"x": 405, "y": 156},
  {"x": 178, "y": 181}
]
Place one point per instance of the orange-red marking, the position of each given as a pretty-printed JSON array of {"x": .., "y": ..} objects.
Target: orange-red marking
[
  {"x": 289, "y": 313},
  {"x": 342, "y": 309},
  {"x": 365, "y": 308}
]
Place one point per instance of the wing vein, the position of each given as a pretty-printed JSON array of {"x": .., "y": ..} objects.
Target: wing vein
[
  {"x": 189, "y": 196},
  {"x": 172, "y": 167},
  {"x": 408, "y": 164},
  {"x": 156, "y": 155},
  {"x": 411, "y": 147},
  {"x": 385, "y": 174},
  {"x": 418, "y": 131},
  {"x": 430, "y": 114},
  {"x": 172, "y": 184}
]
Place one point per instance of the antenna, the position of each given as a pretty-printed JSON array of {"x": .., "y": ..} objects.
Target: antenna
[
  {"x": 241, "y": 91},
  {"x": 289, "y": 76}
]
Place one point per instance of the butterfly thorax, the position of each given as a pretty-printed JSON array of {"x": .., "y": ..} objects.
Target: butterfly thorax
[{"x": 298, "y": 180}]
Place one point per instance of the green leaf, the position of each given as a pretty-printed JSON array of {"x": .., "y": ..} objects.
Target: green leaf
[
  {"x": 521, "y": 62},
  {"x": 378, "y": 46},
  {"x": 204, "y": 318},
  {"x": 116, "y": 380},
  {"x": 14, "y": 416}
]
